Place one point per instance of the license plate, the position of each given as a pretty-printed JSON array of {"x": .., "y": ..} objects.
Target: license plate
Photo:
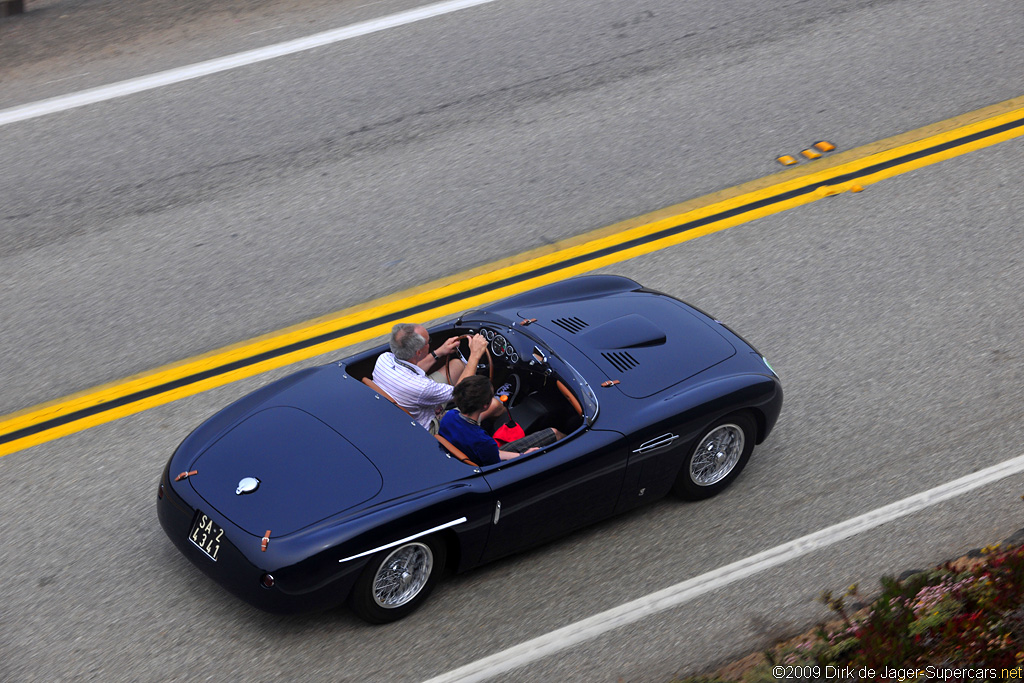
[{"x": 206, "y": 535}]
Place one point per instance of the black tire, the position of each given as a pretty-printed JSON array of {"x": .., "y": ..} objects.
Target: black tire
[
  {"x": 398, "y": 580},
  {"x": 717, "y": 457}
]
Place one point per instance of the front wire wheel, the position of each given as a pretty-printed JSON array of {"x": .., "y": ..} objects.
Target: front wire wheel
[
  {"x": 717, "y": 454},
  {"x": 398, "y": 580},
  {"x": 717, "y": 458}
]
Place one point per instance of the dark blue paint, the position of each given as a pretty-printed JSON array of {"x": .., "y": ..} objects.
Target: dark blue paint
[{"x": 343, "y": 471}]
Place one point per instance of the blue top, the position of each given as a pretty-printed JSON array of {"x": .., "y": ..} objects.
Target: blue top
[{"x": 470, "y": 438}]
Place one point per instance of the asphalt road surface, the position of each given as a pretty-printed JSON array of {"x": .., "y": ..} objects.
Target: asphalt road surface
[{"x": 154, "y": 227}]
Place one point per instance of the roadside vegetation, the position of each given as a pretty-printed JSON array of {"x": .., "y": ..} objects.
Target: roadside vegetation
[{"x": 962, "y": 620}]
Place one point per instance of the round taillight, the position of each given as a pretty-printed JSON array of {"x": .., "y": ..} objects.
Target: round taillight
[
  {"x": 267, "y": 581},
  {"x": 160, "y": 493}
]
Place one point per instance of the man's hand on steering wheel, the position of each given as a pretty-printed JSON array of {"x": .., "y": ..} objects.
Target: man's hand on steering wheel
[
  {"x": 479, "y": 352},
  {"x": 477, "y": 345},
  {"x": 447, "y": 347}
]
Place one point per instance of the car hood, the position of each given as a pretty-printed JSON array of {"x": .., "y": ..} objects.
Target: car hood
[
  {"x": 648, "y": 343},
  {"x": 283, "y": 469}
]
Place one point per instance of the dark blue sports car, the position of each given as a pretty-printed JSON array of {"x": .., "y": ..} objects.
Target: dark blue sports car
[{"x": 317, "y": 490}]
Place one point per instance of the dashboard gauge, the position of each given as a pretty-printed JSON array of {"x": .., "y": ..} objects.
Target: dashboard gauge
[
  {"x": 488, "y": 334},
  {"x": 513, "y": 357},
  {"x": 499, "y": 345}
]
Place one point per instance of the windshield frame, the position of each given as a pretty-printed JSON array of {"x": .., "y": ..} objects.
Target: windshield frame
[{"x": 561, "y": 368}]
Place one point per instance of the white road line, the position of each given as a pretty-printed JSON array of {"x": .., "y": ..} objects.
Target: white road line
[
  {"x": 185, "y": 73},
  {"x": 630, "y": 612}
]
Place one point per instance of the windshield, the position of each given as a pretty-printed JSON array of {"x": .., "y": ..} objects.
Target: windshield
[
  {"x": 524, "y": 352},
  {"x": 568, "y": 374}
]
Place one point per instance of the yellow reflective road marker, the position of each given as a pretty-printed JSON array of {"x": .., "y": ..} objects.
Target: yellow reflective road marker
[{"x": 851, "y": 170}]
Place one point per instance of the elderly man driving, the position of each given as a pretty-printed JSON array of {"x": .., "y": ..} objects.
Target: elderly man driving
[{"x": 402, "y": 372}]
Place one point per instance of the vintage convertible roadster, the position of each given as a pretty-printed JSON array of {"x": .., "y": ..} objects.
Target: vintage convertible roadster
[{"x": 318, "y": 490}]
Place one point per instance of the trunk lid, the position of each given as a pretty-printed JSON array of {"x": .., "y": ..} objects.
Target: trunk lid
[{"x": 306, "y": 471}]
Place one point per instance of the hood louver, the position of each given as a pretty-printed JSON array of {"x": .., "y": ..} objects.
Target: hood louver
[
  {"x": 621, "y": 360},
  {"x": 571, "y": 325}
]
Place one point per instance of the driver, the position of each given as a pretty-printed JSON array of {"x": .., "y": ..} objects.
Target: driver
[
  {"x": 462, "y": 427},
  {"x": 402, "y": 372}
]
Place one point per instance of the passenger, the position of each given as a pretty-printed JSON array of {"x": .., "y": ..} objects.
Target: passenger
[
  {"x": 402, "y": 372},
  {"x": 462, "y": 427}
]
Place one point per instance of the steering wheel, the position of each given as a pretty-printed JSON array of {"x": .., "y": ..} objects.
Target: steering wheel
[{"x": 487, "y": 354}]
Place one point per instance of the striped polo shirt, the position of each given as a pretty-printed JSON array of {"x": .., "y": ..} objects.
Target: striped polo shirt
[{"x": 409, "y": 385}]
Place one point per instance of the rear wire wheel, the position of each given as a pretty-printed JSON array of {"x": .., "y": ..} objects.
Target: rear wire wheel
[
  {"x": 717, "y": 458},
  {"x": 398, "y": 580}
]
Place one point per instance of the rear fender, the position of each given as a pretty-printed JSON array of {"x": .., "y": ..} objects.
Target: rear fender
[{"x": 459, "y": 513}]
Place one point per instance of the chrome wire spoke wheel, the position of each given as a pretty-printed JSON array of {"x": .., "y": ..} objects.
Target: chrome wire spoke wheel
[
  {"x": 717, "y": 455},
  {"x": 402, "y": 575}
]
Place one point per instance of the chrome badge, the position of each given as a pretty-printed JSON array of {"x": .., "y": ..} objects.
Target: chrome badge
[{"x": 247, "y": 485}]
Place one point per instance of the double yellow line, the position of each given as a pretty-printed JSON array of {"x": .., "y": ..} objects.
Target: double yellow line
[{"x": 641, "y": 235}]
